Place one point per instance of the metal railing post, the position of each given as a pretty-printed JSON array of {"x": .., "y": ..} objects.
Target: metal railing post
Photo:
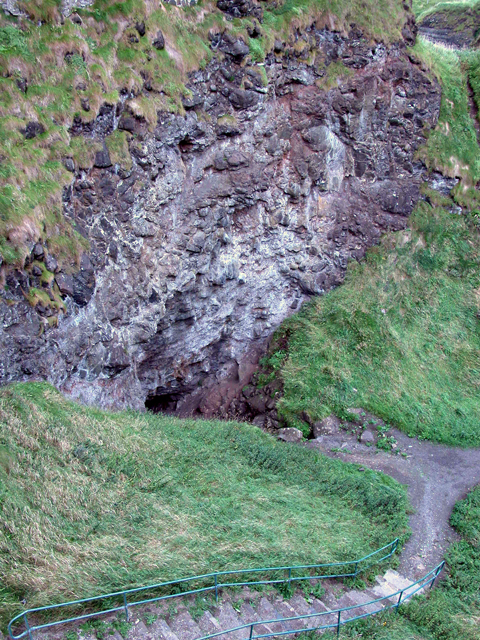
[
  {"x": 399, "y": 601},
  {"x": 28, "y": 627},
  {"x": 439, "y": 568},
  {"x": 356, "y": 569},
  {"x": 289, "y": 575},
  {"x": 216, "y": 589},
  {"x": 126, "y": 606},
  {"x": 338, "y": 624},
  {"x": 251, "y": 632}
]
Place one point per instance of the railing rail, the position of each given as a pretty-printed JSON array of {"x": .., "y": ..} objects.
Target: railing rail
[
  {"x": 355, "y": 566},
  {"x": 403, "y": 596}
]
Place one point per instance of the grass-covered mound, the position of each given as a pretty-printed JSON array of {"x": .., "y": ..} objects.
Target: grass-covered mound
[
  {"x": 94, "y": 501},
  {"x": 53, "y": 70},
  {"x": 401, "y": 336}
]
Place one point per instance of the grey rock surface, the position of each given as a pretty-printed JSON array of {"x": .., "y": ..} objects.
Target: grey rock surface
[
  {"x": 67, "y": 6},
  {"x": 289, "y": 434},
  {"x": 327, "y": 426},
  {"x": 231, "y": 216}
]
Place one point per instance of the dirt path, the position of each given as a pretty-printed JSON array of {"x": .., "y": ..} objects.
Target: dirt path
[{"x": 437, "y": 477}]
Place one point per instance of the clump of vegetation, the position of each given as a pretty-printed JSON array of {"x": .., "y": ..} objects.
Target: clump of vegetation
[
  {"x": 117, "y": 145},
  {"x": 95, "y": 501}
]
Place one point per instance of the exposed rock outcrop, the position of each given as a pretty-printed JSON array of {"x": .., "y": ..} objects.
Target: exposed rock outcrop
[
  {"x": 230, "y": 217},
  {"x": 457, "y": 27},
  {"x": 67, "y": 6}
]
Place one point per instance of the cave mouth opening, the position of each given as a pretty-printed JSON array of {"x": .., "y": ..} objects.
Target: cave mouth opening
[{"x": 162, "y": 402}]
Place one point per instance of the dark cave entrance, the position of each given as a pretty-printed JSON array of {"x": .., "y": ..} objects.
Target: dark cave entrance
[{"x": 163, "y": 402}]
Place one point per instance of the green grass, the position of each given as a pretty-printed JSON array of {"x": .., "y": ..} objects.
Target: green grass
[
  {"x": 94, "y": 501},
  {"x": 472, "y": 63},
  {"x": 400, "y": 337},
  {"x": 422, "y": 8},
  {"x": 452, "y": 147}
]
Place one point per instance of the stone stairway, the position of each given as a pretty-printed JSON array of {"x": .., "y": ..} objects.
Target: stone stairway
[{"x": 191, "y": 617}]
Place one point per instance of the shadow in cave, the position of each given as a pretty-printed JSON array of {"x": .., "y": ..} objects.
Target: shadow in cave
[{"x": 163, "y": 402}]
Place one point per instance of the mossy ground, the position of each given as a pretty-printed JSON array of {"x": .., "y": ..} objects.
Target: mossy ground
[{"x": 94, "y": 501}]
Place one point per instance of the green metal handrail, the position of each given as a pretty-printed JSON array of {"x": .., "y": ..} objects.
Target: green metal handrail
[
  {"x": 388, "y": 550},
  {"x": 420, "y": 584}
]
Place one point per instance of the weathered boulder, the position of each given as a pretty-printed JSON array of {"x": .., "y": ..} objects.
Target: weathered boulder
[
  {"x": 327, "y": 426},
  {"x": 367, "y": 437},
  {"x": 33, "y": 129},
  {"x": 289, "y": 434},
  {"x": 159, "y": 41}
]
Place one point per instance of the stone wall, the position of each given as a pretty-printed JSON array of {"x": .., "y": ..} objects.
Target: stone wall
[{"x": 231, "y": 216}]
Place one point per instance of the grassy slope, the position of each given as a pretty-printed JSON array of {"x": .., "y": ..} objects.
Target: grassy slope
[
  {"x": 422, "y": 8},
  {"x": 105, "y": 60},
  {"x": 452, "y": 147},
  {"x": 92, "y": 501},
  {"x": 400, "y": 338}
]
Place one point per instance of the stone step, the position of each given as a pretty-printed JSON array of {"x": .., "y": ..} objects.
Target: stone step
[
  {"x": 326, "y": 618},
  {"x": 228, "y": 619},
  {"x": 139, "y": 630},
  {"x": 349, "y": 601},
  {"x": 161, "y": 630},
  {"x": 267, "y": 611},
  {"x": 302, "y": 608},
  {"x": 249, "y": 615},
  {"x": 185, "y": 627},
  {"x": 362, "y": 598},
  {"x": 208, "y": 624},
  {"x": 383, "y": 590},
  {"x": 396, "y": 580},
  {"x": 299, "y": 604},
  {"x": 287, "y": 611},
  {"x": 254, "y": 607}
]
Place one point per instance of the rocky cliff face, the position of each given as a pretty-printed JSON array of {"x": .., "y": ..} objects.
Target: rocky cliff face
[
  {"x": 229, "y": 218},
  {"x": 457, "y": 27}
]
